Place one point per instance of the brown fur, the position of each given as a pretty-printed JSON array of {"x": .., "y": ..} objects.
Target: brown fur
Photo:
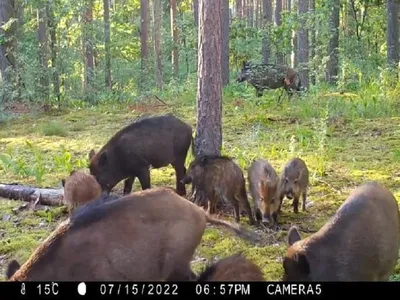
[
  {"x": 149, "y": 235},
  {"x": 263, "y": 184},
  {"x": 219, "y": 178},
  {"x": 359, "y": 243},
  {"x": 232, "y": 268},
  {"x": 293, "y": 183},
  {"x": 79, "y": 189},
  {"x": 148, "y": 142}
]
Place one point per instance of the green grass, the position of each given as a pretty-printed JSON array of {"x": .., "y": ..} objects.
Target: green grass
[{"x": 345, "y": 139}]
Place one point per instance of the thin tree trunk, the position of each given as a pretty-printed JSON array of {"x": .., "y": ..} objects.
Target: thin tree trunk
[
  {"x": 196, "y": 12},
  {"x": 294, "y": 36},
  {"x": 53, "y": 50},
  {"x": 209, "y": 88},
  {"x": 302, "y": 44},
  {"x": 257, "y": 13},
  {"x": 43, "y": 54},
  {"x": 107, "y": 33},
  {"x": 267, "y": 22},
  {"x": 250, "y": 13},
  {"x": 239, "y": 9},
  {"x": 225, "y": 41},
  {"x": 157, "y": 42},
  {"x": 144, "y": 32},
  {"x": 88, "y": 43},
  {"x": 313, "y": 41},
  {"x": 392, "y": 34},
  {"x": 278, "y": 22},
  {"x": 333, "y": 52},
  {"x": 174, "y": 31}
]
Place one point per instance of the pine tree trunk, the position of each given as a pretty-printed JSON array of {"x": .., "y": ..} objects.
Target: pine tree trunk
[
  {"x": 333, "y": 61},
  {"x": 225, "y": 42},
  {"x": 53, "y": 50},
  {"x": 267, "y": 21},
  {"x": 302, "y": 44},
  {"x": 157, "y": 42},
  {"x": 43, "y": 53},
  {"x": 174, "y": 32},
  {"x": 392, "y": 34},
  {"x": 107, "y": 33}
]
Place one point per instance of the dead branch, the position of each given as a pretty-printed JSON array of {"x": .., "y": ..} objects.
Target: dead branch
[{"x": 45, "y": 196}]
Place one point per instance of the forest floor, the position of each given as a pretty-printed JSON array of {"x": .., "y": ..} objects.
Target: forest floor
[{"x": 344, "y": 139}]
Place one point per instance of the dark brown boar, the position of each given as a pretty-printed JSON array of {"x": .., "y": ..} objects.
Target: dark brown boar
[
  {"x": 79, "y": 189},
  {"x": 359, "y": 243},
  {"x": 148, "y": 142},
  {"x": 149, "y": 235},
  {"x": 219, "y": 178},
  {"x": 232, "y": 268},
  {"x": 263, "y": 184},
  {"x": 293, "y": 183}
]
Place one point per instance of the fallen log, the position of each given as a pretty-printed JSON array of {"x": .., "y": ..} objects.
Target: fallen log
[{"x": 44, "y": 196}]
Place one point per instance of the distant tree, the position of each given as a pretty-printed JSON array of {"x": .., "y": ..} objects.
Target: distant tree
[
  {"x": 196, "y": 13},
  {"x": 313, "y": 40},
  {"x": 225, "y": 41},
  {"x": 174, "y": 32},
  {"x": 392, "y": 34},
  {"x": 144, "y": 32},
  {"x": 209, "y": 87},
  {"x": 43, "y": 53},
  {"x": 278, "y": 22},
  {"x": 302, "y": 44},
  {"x": 157, "y": 42},
  {"x": 88, "y": 46},
  {"x": 52, "y": 25},
  {"x": 107, "y": 69},
  {"x": 267, "y": 21},
  {"x": 333, "y": 61}
]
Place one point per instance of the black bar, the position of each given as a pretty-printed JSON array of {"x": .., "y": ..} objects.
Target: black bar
[{"x": 182, "y": 290}]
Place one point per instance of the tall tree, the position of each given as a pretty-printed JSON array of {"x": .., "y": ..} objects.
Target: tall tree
[
  {"x": 8, "y": 46},
  {"x": 239, "y": 8},
  {"x": 107, "y": 71},
  {"x": 52, "y": 25},
  {"x": 313, "y": 40},
  {"x": 225, "y": 41},
  {"x": 392, "y": 33},
  {"x": 157, "y": 42},
  {"x": 257, "y": 13},
  {"x": 174, "y": 32},
  {"x": 267, "y": 21},
  {"x": 293, "y": 8},
  {"x": 250, "y": 13},
  {"x": 196, "y": 12},
  {"x": 333, "y": 51},
  {"x": 43, "y": 53},
  {"x": 209, "y": 88},
  {"x": 302, "y": 43},
  {"x": 278, "y": 22},
  {"x": 144, "y": 32},
  {"x": 88, "y": 46}
]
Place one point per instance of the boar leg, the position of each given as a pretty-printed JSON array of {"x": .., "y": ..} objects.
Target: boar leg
[
  {"x": 128, "y": 183},
  {"x": 296, "y": 204},
  {"x": 304, "y": 195},
  {"x": 144, "y": 178},
  {"x": 180, "y": 172}
]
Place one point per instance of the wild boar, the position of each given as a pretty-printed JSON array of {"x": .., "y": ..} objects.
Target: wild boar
[
  {"x": 293, "y": 183},
  {"x": 79, "y": 189},
  {"x": 270, "y": 76},
  {"x": 232, "y": 268},
  {"x": 216, "y": 178},
  {"x": 149, "y": 235},
  {"x": 155, "y": 142},
  {"x": 359, "y": 243}
]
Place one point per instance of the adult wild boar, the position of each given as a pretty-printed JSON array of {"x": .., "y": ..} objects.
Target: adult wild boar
[
  {"x": 294, "y": 183},
  {"x": 263, "y": 184},
  {"x": 155, "y": 142},
  {"x": 216, "y": 178},
  {"x": 149, "y": 235},
  {"x": 269, "y": 76},
  {"x": 79, "y": 189},
  {"x": 232, "y": 268},
  {"x": 359, "y": 243}
]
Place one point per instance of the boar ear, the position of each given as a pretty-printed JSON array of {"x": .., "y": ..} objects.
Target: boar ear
[
  {"x": 91, "y": 154},
  {"x": 63, "y": 182},
  {"x": 293, "y": 235},
  {"x": 12, "y": 267},
  {"x": 103, "y": 158}
]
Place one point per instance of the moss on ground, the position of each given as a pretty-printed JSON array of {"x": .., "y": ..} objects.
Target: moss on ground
[{"x": 343, "y": 143}]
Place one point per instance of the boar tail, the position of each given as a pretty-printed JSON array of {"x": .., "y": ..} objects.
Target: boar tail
[{"x": 241, "y": 232}]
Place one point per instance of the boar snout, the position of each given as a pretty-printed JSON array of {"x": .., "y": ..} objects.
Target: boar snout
[
  {"x": 289, "y": 194},
  {"x": 186, "y": 180}
]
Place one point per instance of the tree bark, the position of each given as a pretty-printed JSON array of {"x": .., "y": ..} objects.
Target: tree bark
[
  {"x": 174, "y": 32},
  {"x": 107, "y": 34},
  {"x": 157, "y": 42},
  {"x": 43, "y": 53},
  {"x": 278, "y": 22},
  {"x": 333, "y": 52},
  {"x": 196, "y": 13},
  {"x": 392, "y": 34},
  {"x": 52, "y": 197},
  {"x": 313, "y": 41},
  {"x": 239, "y": 9},
  {"x": 53, "y": 50},
  {"x": 294, "y": 35},
  {"x": 267, "y": 22},
  {"x": 250, "y": 13},
  {"x": 225, "y": 41},
  {"x": 302, "y": 44},
  {"x": 144, "y": 32},
  {"x": 88, "y": 44},
  {"x": 209, "y": 90}
]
